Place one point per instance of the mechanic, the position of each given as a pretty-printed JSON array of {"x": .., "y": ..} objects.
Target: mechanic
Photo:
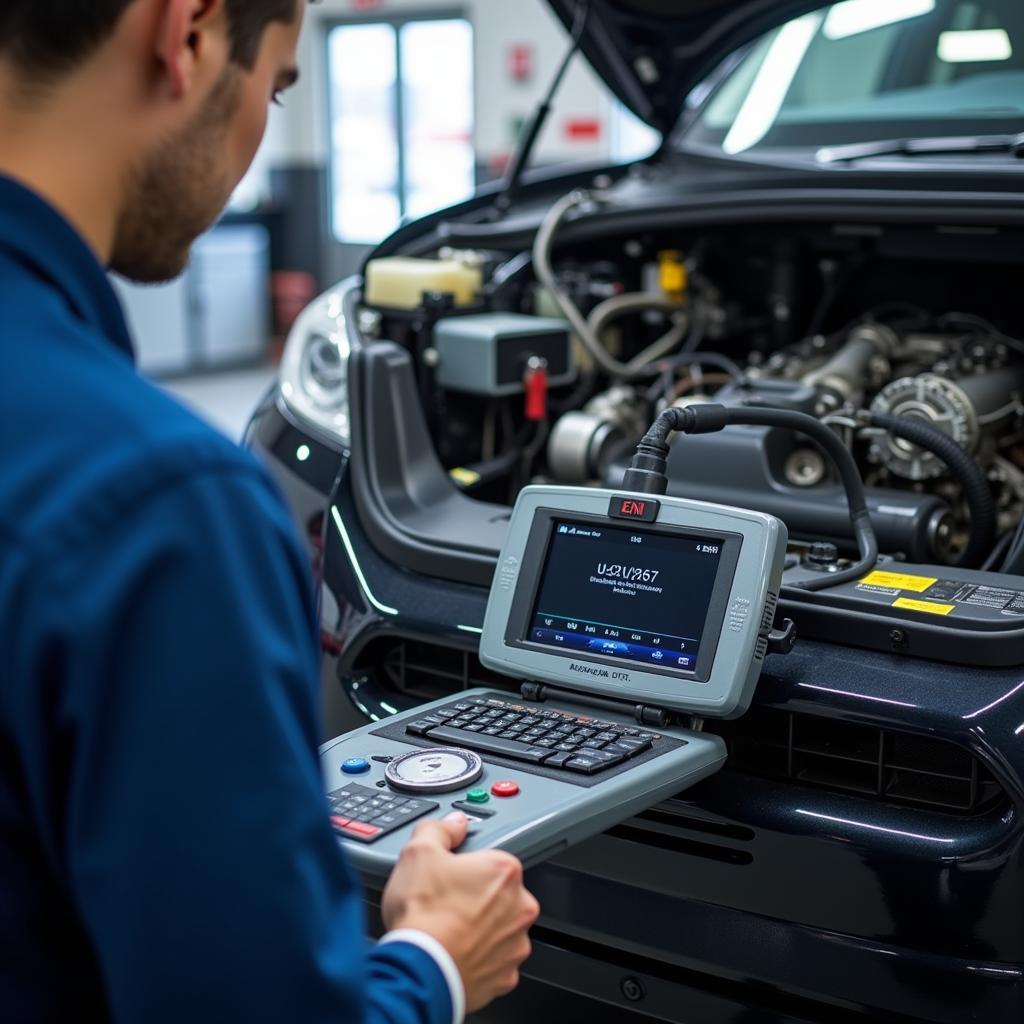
[{"x": 165, "y": 852}]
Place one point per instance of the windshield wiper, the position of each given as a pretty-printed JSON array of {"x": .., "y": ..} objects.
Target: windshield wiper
[{"x": 934, "y": 146}]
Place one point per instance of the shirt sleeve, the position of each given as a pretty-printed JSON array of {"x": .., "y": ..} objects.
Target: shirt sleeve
[
  {"x": 442, "y": 958},
  {"x": 188, "y": 805}
]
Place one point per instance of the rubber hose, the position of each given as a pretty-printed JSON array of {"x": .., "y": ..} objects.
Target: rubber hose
[{"x": 971, "y": 476}]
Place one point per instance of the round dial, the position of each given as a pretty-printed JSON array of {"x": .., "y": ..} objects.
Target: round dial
[{"x": 437, "y": 770}]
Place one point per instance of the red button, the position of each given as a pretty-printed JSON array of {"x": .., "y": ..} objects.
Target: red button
[
  {"x": 338, "y": 822},
  {"x": 505, "y": 788},
  {"x": 360, "y": 828}
]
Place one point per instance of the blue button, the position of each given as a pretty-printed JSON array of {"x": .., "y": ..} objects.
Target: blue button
[{"x": 355, "y": 766}]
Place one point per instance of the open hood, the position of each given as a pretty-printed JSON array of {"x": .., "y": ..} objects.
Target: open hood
[{"x": 652, "y": 53}]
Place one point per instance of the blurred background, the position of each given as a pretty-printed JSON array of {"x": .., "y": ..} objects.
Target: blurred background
[{"x": 404, "y": 107}]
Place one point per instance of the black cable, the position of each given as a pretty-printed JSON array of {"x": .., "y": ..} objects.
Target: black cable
[
  {"x": 987, "y": 328},
  {"x": 1013, "y": 564},
  {"x": 647, "y": 471},
  {"x": 664, "y": 366},
  {"x": 999, "y": 552},
  {"x": 970, "y": 475}
]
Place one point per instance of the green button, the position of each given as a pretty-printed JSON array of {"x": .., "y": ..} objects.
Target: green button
[{"x": 478, "y": 796}]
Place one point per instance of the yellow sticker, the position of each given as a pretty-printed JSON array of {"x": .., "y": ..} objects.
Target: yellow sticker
[
  {"x": 931, "y": 607},
  {"x": 899, "y": 581},
  {"x": 465, "y": 477}
]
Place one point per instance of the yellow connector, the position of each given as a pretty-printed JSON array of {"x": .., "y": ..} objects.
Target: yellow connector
[{"x": 673, "y": 276}]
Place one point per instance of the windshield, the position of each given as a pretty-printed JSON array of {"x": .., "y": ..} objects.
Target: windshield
[{"x": 872, "y": 69}]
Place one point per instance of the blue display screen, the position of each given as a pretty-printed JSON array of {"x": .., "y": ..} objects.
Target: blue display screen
[{"x": 625, "y": 593}]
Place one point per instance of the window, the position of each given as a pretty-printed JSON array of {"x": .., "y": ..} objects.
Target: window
[
  {"x": 401, "y": 140},
  {"x": 874, "y": 69}
]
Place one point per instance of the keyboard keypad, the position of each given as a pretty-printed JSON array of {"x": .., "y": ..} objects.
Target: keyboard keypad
[
  {"x": 555, "y": 739},
  {"x": 367, "y": 815}
]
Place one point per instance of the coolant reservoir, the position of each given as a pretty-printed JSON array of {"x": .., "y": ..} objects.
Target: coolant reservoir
[{"x": 398, "y": 282}]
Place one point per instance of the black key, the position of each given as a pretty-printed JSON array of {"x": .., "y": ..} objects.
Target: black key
[
  {"x": 594, "y": 761},
  {"x": 608, "y": 757},
  {"x": 473, "y": 809},
  {"x": 459, "y": 723},
  {"x": 593, "y": 744},
  {"x": 387, "y": 820},
  {"x": 463, "y": 707},
  {"x": 566, "y": 746},
  {"x": 444, "y": 713},
  {"x": 492, "y": 730},
  {"x": 584, "y": 734},
  {"x": 544, "y": 743},
  {"x": 558, "y": 759},
  {"x": 419, "y": 727},
  {"x": 608, "y": 737},
  {"x": 633, "y": 746},
  {"x": 472, "y": 727},
  {"x": 515, "y": 749}
]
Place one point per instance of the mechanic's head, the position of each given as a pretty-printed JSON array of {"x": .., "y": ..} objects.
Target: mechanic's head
[{"x": 161, "y": 103}]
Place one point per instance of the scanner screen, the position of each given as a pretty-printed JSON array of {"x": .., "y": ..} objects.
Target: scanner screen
[{"x": 625, "y": 593}]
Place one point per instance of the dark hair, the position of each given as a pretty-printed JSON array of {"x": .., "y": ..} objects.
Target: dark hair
[{"x": 51, "y": 37}]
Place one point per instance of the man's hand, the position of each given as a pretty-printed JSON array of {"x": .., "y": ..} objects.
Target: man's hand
[{"x": 474, "y": 904}]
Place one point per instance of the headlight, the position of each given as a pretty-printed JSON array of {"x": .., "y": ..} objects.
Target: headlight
[{"x": 314, "y": 370}]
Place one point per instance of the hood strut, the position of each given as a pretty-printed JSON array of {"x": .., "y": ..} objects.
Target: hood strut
[{"x": 528, "y": 140}]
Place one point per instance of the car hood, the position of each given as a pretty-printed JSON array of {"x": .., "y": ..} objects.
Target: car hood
[{"x": 652, "y": 53}]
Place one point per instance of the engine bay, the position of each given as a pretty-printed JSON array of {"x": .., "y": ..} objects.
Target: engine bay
[{"x": 546, "y": 365}]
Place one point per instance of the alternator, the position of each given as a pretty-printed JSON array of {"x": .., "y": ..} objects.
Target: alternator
[{"x": 939, "y": 402}]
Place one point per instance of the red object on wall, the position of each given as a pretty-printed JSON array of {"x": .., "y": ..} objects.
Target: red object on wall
[
  {"x": 520, "y": 62},
  {"x": 365, "y": 5},
  {"x": 583, "y": 129}
]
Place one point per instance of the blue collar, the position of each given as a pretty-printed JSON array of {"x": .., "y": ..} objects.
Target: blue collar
[{"x": 40, "y": 238}]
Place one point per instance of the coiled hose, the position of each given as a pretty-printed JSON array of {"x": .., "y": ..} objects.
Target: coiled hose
[{"x": 970, "y": 475}]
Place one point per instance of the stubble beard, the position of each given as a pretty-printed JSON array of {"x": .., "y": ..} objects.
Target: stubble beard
[{"x": 176, "y": 193}]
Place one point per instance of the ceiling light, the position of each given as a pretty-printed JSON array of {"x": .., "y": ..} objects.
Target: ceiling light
[
  {"x": 853, "y": 17},
  {"x": 975, "y": 46}
]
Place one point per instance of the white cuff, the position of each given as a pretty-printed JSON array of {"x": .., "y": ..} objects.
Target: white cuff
[{"x": 444, "y": 961}]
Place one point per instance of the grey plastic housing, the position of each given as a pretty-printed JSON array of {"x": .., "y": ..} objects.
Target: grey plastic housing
[
  {"x": 549, "y": 815},
  {"x": 486, "y": 354},
  {"x": 742, "y": 628}
]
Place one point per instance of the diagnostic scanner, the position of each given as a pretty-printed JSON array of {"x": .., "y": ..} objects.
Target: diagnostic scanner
[{"x": 621, "y": 620}]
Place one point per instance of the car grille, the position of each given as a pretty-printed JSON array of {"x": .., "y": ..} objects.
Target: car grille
[{"x": 806, "y": 750}]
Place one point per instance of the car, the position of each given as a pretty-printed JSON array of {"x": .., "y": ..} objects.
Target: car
[{"x": 834, "y": 223}]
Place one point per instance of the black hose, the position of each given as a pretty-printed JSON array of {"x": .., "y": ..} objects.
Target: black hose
[
  {"x": 971, "y": 476},
  {"x": 647, "y": 472}
]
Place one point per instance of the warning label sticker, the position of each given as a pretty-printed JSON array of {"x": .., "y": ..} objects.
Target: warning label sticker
[
  {"x": 899, "y": 581},
  {"x": 931, "y": 607}
]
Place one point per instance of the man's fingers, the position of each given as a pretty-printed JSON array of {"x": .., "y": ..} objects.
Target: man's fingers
[
  {"x": 457, "y": 825},
  {"x": 449, "y": 833}
]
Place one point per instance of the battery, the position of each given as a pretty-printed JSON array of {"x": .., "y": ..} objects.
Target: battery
[{"x": 940, "y": 613}]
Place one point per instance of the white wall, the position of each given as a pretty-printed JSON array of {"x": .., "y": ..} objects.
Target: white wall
[{"x": 298, "y": 133}]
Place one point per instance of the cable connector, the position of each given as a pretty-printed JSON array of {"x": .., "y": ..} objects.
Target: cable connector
[{"x": 647, "y": 473}]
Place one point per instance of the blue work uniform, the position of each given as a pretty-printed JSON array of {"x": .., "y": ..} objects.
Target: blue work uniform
[{"x": 165, "y": 851}]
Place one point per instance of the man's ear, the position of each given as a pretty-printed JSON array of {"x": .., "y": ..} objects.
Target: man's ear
[{"x": 180, "y": 39}]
